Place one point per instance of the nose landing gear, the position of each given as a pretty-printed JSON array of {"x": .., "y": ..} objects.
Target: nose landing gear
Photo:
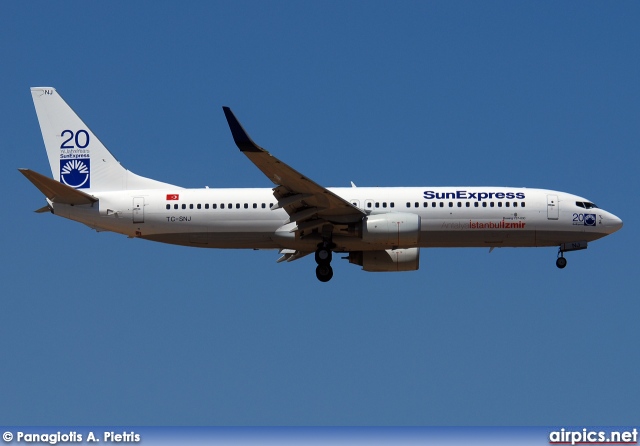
[{"x": 561, "y": 262}]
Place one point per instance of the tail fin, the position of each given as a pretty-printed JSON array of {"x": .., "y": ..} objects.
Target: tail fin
[{"x": 77, "y": 157}]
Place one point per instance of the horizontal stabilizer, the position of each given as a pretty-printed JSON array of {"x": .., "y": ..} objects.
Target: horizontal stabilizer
[{"x": 55, "y": 191}]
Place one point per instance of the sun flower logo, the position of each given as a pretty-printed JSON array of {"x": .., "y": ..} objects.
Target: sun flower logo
[
  {"x": 75, "y": 173},
  {"x": 589, "y": 219}
]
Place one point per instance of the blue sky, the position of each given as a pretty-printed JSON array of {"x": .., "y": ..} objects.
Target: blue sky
[{"x": 99, "y": 329}]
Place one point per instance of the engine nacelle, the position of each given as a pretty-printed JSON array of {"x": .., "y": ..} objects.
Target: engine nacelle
[
  {"x": 389, "y": 260},
  {"x": 395, "y": 230}
]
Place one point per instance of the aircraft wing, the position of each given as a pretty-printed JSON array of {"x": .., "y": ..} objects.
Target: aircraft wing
[{"x": 307, "y": 203}]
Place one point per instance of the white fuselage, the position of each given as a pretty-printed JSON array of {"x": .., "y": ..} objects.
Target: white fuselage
[
  {"x": 449, "y": 216},
  {"x": 381, "y": 229}
]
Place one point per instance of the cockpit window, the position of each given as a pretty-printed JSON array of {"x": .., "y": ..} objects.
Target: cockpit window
[{"x": 586, "y": 205}]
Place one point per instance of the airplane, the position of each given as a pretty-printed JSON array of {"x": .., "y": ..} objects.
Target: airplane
[{"x": 380, "y": 229}]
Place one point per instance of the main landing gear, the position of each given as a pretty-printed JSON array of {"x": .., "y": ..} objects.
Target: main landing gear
[{"x": 324, "y": 272}]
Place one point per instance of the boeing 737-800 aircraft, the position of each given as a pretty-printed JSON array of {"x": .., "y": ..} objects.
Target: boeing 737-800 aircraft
[{"x": 379, "y": 228}]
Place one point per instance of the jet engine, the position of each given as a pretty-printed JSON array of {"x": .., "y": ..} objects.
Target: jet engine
[
  {"x": 395, "y": 230},
  {"x": 389, "y": 260}
]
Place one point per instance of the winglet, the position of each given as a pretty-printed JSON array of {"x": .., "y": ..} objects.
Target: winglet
[
  {"x": 55, "y": 191},
  {"x": 240, "y": 136}
]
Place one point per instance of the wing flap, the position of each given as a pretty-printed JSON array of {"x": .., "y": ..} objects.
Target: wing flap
[
  {"x": 56, "y": 191},
  {"x": 289, "y": 255}
]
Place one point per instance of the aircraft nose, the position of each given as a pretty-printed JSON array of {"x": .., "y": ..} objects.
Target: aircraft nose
[{"x": 612, "y": 223}]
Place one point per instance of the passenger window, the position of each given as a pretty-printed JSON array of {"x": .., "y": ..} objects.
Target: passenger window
[
  {"x": 468, "y": 204},
  {"x": 492, "y": 204},
  {"x": 175, "y": 206},
  {"x": 214, "y": 206},
  {"x": 433, "y": 204},
  {"x": 184, "y": 206},
  {"x": 168, "y": 206},
  {"x": 384, "y": 204},
  {"x": 237, "y": 205},
  {"x": 246, "y": 205},
  {"x": 507, "y": 204},
  {"x": 408, "y": 204},
  {"x": 425, "y": 204},
  {"x": 499, "y": 204},
  {"x": 377, "y": 204},
  {"x": 475, "y": 204},
  {"x": 417, "y": 204},
  {"x": 369, "y": 204},
  {"x": 484, "y": 204},
  {"x": 392, "y": 204},
  {"x": 221, "y": 205},
  {"x": 199, "y": 206},
  {"x": 255, "y": 205},
  {"x": 270, "y": 205},
  {"x": 441, "y": 204},
  {"x": 522, "y": 204},
  {"x": 263, "y": 205},
  {"x": 515, "y": 204},
  {"x": 450, "y": 204},
  {"x": 206, "y": 205},
  {"x": 230, "y": 206},
  {"x": 191, "y": 206},
  {"x": 459, "y": 204}
]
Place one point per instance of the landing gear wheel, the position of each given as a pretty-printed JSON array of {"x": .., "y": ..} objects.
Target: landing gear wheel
[
  {"x": 324, "y": 273},
  {"x": 561, "y": 262},
  {"x": 323, "y": 256}
]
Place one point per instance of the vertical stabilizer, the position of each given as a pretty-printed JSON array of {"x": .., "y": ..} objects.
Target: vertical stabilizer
[{"x": 77, "y": 157}]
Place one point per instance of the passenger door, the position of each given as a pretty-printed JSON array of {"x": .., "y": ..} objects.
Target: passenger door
[
  {"x": 553, "y": 208},
  {"x": 138, "y": 209}
]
